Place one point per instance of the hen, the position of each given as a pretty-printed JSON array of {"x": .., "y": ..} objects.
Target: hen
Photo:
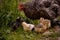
[{"x": 41, "y": 8}]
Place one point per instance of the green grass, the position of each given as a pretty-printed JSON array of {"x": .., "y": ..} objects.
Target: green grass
[{"x": 20, "y": 34}]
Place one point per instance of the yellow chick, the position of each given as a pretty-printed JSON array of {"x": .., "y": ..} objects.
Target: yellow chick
[
  {"x": 46, "y": 24},
  {"x": 39, "y": 30},
  {"x": 43, "y": 25}
]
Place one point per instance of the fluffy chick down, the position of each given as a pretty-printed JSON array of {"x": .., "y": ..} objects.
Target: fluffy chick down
[
  {"x": 27, "y": 27},
  {"x": 43, "y": 25}
]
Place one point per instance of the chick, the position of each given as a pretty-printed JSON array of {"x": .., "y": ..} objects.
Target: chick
[
  {"x": 15, "y": 24},
  {"x": 27, "y": 27},
  {"x": 38, "y": 29},
  {"x": 43, "y": 25},
  {"x": 46, "y": 24}
]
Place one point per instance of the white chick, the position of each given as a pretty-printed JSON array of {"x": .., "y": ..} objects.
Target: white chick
[{"x": 27, "y": 27}]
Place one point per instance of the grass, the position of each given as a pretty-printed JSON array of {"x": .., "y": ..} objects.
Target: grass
[{"x": 20, "y": 34}]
